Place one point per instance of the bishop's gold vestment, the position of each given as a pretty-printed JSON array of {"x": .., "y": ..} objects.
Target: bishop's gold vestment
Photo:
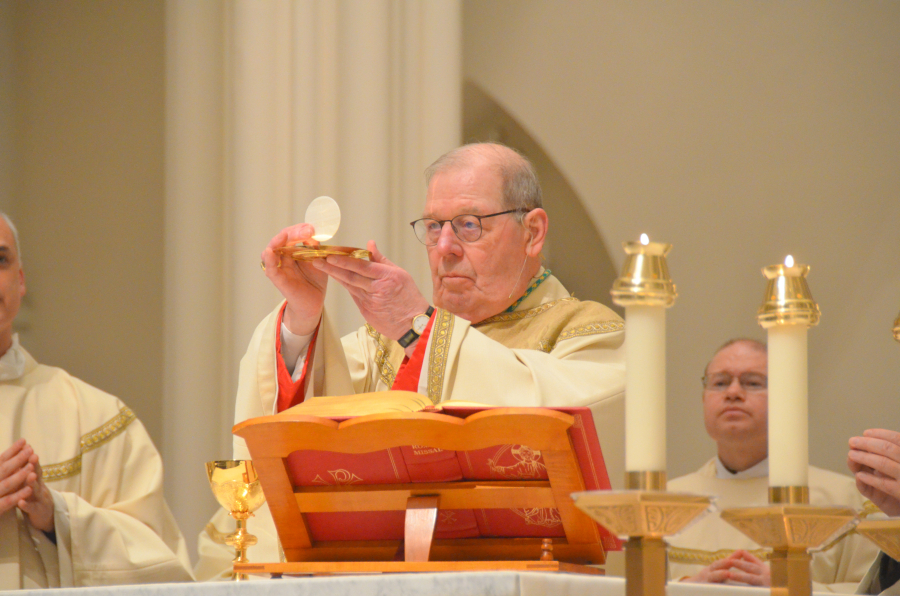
[
  {"x": 552, "y": 350},
  {"x": 838, "y": 569},
  {"x": 112, "y": 523}
]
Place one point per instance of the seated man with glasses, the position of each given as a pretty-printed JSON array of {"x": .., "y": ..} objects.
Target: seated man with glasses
[
  {"x": 499, "y": 329},
  {"x": 735, "y": 411}
]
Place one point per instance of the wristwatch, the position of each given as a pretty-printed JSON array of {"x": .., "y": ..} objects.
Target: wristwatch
[{"x": 419, "y": 323}]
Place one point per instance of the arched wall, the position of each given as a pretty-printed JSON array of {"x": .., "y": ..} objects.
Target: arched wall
[{"x": 740, "y": 133}]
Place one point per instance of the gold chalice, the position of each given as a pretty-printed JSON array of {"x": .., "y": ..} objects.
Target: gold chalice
[{"x": 237, "y": 489}]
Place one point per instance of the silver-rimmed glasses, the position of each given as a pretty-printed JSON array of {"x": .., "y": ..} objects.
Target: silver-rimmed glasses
[
  {"x": 466, "y": 227},
  {"x": 750, "y": 382}
]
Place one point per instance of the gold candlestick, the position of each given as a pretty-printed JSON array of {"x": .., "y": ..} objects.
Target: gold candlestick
[
  {"x": 788, "y": 299},
  {"x": 883, "y": 532},
  {"x": 789, "y": 526},
  {"x": 790, "y": 531},
  {"x": 787, "y": 310},
  {"x": 645, "y": 277},
  {"x": 644, "y": 517},
  {"x": 646, "y": 291},
  {"x": 644, "y": 513},
  {"x": 236, "y": 487}
]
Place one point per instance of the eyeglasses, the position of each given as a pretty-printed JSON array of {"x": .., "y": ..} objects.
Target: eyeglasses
[
  {"x": 750, "y": 382},
  {"x": 466, "y": 227}
]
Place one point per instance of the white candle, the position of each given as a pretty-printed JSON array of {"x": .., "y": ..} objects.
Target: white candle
[
  {"x": 787, "y": 312},
  {"x": 788, "y": 406},
  {"x": 645, "y": 388},
  {"x": 645, "y": 290}
]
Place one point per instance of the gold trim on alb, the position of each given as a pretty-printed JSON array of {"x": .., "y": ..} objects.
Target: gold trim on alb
[{"x": 89, "y": 441}]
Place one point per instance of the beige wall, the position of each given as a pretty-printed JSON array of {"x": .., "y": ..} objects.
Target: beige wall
[
  {"x": 740, "y": 132},
  {"x": 737, "y": 131},
  {"x": 87, "y": 188}
]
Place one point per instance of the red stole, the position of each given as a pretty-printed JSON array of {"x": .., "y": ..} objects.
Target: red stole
[{"x": 291, "y": 393}]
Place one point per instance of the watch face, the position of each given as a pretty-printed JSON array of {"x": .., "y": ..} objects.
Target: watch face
[{"x": 420, "y": 323}]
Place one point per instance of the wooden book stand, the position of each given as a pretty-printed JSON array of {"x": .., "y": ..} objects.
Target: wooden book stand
[{"x": 271, "y": 439}]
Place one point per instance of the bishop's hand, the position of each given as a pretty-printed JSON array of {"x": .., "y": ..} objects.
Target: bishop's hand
[
  {"x": 302, "y": 284},
  {"x": 386, "y": 295}
]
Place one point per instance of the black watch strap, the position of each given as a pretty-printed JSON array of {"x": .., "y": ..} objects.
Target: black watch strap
[{"x": 411, "y": 335}]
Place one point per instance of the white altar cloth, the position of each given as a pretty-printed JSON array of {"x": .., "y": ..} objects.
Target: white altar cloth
[{"x": 495, "y": 583}]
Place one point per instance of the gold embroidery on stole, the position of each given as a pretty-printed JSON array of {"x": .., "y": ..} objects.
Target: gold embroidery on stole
[
  {"x": 441, "y": 331},
  {"x": 385, "y": 370}
]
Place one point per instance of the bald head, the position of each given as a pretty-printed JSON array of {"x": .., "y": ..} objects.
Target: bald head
[
  {"x": 750, "y": 343},
  {"x": 519, "y": 182}
]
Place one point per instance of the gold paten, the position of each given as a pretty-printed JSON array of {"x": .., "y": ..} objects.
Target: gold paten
[
  {"x": 883, "y": 532},
  {"x": 645, "y": 277},
  {"x": 788, "y": 300},
  {"x": 789, "y": 495},
  {"x": 645, "y": 480},
  {"x": 236, "y": 487},
  {"x": 302, "y": 252},
  {"x": 790, "y": 531},
  {"x": 644, "y": 517}
]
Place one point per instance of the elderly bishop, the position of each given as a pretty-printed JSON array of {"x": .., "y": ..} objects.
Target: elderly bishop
[{"x": 499, "y": 329}]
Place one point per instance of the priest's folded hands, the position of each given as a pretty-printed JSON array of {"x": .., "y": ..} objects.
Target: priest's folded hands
[
  {"x": 22, "y": 486},
  {"x": 740, "y": 566}
]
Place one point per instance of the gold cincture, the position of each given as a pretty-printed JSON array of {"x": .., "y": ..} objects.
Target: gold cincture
[{"x": 236, "y": 487}]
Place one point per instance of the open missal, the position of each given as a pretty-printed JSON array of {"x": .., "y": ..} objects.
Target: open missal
[{"x": 415, "y": 464}]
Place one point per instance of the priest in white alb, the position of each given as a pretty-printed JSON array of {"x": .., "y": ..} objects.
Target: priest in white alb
[
  {"x": 499, "y": 329},
  {"x": 735, "y": 407},
  {"x": 81, "y": 494}
]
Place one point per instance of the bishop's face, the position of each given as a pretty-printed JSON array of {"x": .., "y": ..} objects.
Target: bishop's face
[
  {"x": 12, "y": 284},
  {"x": 736, "y": 398},
  {"x": 473, "y": 280}
]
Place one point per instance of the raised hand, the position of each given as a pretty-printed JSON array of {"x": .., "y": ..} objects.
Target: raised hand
[
  {"x": 302, "y": 284},
  {"x": 386, "y": 295},
  {"x": 874, "y": 459}
]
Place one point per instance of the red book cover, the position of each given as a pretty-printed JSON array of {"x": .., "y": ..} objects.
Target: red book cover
[
  {"x": 321, "y": 468},
  {"x": 519, "y": 462},
  {"x": 423, "y": 464}
]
